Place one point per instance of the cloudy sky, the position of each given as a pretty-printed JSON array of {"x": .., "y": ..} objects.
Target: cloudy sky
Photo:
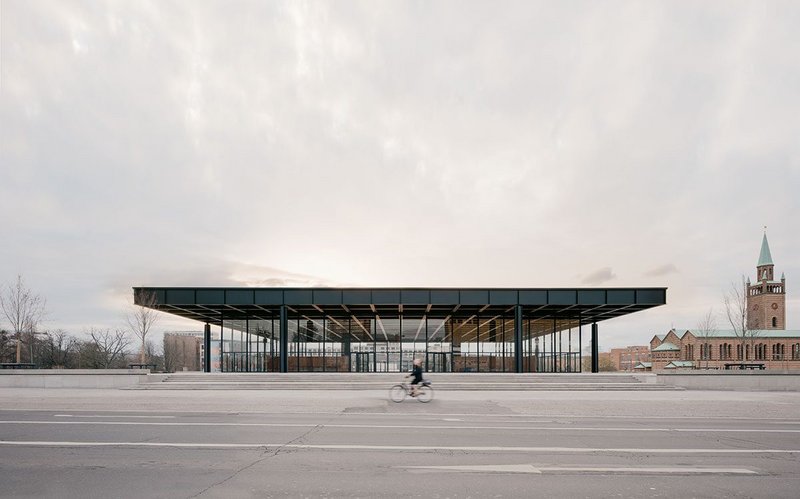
[{"x": 418, "y": 143}]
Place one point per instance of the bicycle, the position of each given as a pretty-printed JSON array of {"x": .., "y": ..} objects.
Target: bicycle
[{"x": 400, "y": 391}]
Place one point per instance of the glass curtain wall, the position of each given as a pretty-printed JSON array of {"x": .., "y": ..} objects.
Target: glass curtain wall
[
  {"x": 248, "y": 345},
  {"x": 264, "y": 345},
  {"x": 551, "y": 345},
  {"x": 387, "y": 344},
  {"x": 318, "y": 343},
  {"x": 482, "y": 342},
  {"x": 439, "y": 353},
  {"x": 413, "y": 344}
]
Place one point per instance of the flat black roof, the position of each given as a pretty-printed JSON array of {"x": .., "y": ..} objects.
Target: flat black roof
[{"x": 209, "y": 304}]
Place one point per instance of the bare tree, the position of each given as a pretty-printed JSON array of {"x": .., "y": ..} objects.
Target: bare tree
[
  {"x": 23, "y": 309},
  {"x": 705, "y": 329},
  {"x": 106, "y": 348},
  {"x": 59, "y": 350},
  {"x": 142, "y": 318},
  {"x": 154, "y": 355},
  {"x": 735, "y": 301},
  {"x": 6, "y": 346}
]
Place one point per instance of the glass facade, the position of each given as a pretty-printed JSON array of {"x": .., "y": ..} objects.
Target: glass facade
[
  {"x": 551, "y": 345},
  {"x": 248, "y": 345},
  {"x": 380, "y": 342},
  {"x": 501, "y": 330}
]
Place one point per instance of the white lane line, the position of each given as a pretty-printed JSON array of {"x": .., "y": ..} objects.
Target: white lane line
[
  {"x": 418, "y": 448},
  {"x": 401, "y": 427},
  {"x": 537, "y": 417},
  {"x": 111, "y": 416},
  {"x": 529, "y": 468}
]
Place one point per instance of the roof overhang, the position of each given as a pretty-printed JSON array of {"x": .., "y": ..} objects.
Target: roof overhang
[{"x": 575, "y": 305}]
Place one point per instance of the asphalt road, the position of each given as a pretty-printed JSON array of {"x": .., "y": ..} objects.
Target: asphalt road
[{"x": 70, "y": 443}]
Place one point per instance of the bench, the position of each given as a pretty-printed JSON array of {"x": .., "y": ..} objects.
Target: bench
[
  {"x": 152, "y": 367},
  {"x": 17, "y": 365},
  {"x": 744, "y": 366}
]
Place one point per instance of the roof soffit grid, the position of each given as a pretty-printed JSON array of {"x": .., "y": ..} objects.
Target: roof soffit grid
[
  {"x": 620, "y": 311},
  {"x": 193, "y": 310},
  {"x": 272, "y": 311},
  {"x": 235, "y": 308}
]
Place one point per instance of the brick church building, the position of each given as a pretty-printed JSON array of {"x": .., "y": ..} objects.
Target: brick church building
[{"x": 766, "y": 343}]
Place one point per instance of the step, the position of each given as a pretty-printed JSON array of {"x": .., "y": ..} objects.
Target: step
[
  {"x": 470, "y": 378},
  {"x": 504, "y": 387},
  {"x": 381, "y": 381}
]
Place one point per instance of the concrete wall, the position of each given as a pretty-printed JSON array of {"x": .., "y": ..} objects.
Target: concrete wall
[
  {"x": 72, "y": 378},
  {"x": 733, "y": 380},
  {"x": 122, "y": 378}
]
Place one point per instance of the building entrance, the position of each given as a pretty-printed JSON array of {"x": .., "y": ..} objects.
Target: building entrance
[
  {"x": 362, "y": 362},
  {"x": 438, "y": 362}
]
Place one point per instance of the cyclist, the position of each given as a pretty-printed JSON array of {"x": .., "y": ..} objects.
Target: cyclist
[{"x": 416, "y": 373}]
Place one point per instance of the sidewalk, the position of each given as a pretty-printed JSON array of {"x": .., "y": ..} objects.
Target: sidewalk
[{"x": 721, "y": 404}]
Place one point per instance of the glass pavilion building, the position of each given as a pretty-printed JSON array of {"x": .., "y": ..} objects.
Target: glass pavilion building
[{"x": 384, "y": 330}]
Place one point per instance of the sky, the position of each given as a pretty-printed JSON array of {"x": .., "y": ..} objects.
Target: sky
[{"x": 417, "y": 143}]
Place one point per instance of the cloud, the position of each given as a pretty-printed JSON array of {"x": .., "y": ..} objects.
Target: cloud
[
  {"x": 665, "y": 269},
  {"x": 245, "y": 274},
  {"x": 393, "y": 144},
  {"x": 599, "y": 276}
]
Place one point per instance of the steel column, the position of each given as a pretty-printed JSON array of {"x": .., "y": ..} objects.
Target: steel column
[
  {"x": 518, "y": 337},
  {"x": 284, "y": 339},
  {"x": 595, "y": 350},
  {"x": 207, "y": 348}
]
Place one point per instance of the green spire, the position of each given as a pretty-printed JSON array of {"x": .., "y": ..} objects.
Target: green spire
[{"x": 765, "y": 258}]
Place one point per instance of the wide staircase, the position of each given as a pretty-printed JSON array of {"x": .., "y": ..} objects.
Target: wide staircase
[{"x": 382, "y": 381}]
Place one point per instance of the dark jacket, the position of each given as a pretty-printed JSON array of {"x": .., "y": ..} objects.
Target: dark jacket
[{"x": 416, "y": 372}]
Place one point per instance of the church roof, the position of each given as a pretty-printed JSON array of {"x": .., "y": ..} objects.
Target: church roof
[
  {"x": 765, "y": 258},
  {"x": 677, "y": 364},
  {"x": 752, "y": 333},
  {"x": 666, "y": 347}
]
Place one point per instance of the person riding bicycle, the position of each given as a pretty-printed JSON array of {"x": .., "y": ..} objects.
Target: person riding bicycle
[{"x": 416, "y": 373}]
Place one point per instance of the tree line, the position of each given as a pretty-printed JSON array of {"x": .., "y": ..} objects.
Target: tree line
[{"x": 99, "y": 348}]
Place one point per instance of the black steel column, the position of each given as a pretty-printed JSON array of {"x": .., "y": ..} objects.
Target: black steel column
[
  {"x": 284, "y": 338},
  {"x": 207, "y": 348},
  {"x": 518, "y": 337},
  {"x": 595, "y": 350}
]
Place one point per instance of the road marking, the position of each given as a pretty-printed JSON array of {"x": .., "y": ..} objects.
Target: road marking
[
  {"x": 529, "y": 468},
  {"x": 111, "y": 416},
  {"x": 421, "y": 448},
  {"x": 403, "y": 427},
  {"x": 537, "y": 417}
]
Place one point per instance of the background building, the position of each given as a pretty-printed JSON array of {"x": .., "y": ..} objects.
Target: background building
[
  {"x": 626, "y": 359},
  {"x": 766, "y": 299},
  {"x": 683, "y": 348},
  {"x": 183, "y": 351},
  {"x": 762, "y": 342}
]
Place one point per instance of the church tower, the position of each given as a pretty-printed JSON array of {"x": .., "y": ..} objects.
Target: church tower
[{"x": 766, "y": 298}]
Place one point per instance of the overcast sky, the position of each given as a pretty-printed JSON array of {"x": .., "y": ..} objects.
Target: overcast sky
[{"x": 418, "y": 143}]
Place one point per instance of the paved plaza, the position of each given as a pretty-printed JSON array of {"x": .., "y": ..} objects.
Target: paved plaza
[{"x": 282, "y": 443}]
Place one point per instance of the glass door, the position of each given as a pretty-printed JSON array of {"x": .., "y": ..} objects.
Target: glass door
[
  {"x": 437, "y": 362},
  {"x": 362, "y": 362}
]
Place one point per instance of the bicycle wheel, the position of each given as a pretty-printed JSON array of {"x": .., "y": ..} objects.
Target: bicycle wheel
[
  {"x": 397, "y": 393},
  {"x": 425, "y": 394}
]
